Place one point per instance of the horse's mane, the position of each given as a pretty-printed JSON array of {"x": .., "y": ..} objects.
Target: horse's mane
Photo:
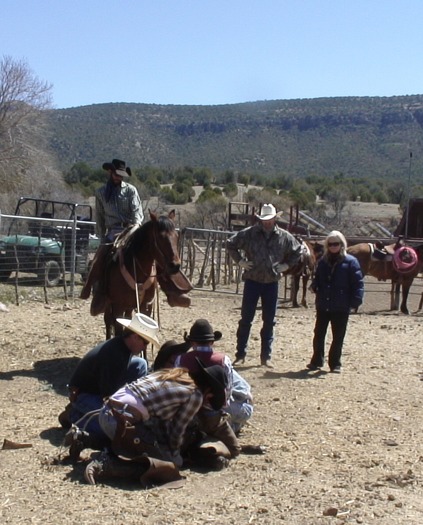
[{"x": 140, "y": 236}]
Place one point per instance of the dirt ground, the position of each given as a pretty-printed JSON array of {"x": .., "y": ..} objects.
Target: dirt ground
[{"x": 348, "y": 444}]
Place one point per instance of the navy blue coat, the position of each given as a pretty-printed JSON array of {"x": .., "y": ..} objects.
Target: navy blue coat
[
  {"x": 103, "y": 369},
  {"x": 340, "y": 287}
]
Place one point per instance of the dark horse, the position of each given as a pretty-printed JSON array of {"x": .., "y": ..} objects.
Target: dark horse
[
  {"x": 304, "y": 270},
  {"x": 147, "y": 256},
  {"x": 383, "y": 269}
]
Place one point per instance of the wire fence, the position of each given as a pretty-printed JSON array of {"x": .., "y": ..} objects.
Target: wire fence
[
  {"x": 44, "y": 259},
  {"x": 45, "y": 253}
]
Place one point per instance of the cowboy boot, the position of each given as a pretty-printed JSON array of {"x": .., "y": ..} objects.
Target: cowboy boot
[
  {"x": 90, "y": 281},
  {"x": 108, "y": 466},
  {"x": 98, "y": 302},
  {"x": 217, "y": 425},
  {"x": 64, "y": 417},
  {"x": 77, "y": 440},
  {"x": 96, "y": 271},
  {"x": 159, "y": 472}
]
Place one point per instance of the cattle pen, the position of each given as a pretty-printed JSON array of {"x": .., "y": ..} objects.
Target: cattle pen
[{"x": 206, "y": 263}]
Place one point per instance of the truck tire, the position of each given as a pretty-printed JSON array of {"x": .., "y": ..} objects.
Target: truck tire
[
  {"x": 50, "y": 273},
  {"x": 4, "y": 274}
]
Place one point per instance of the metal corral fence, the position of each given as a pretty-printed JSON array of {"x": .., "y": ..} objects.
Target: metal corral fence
[
  {"x": 207, "y": 264},
  {"x": 40, "y": 251},
  {"x": 205, "y": 260}
]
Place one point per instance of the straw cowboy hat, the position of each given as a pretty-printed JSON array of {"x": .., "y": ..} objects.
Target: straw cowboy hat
[
  {"x": 268, "y": 211},
  {"x": 202, "y": 332},
  {"x": 119, "y": 167},
  {"x": 144, "y": 326}
]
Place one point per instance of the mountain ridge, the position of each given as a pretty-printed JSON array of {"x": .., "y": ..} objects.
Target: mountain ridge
[{"x": 357, "y": 136}]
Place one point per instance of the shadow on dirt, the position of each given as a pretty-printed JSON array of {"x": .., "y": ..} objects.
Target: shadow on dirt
[
  {"x": 55, "y": 435},
  {"x": 55, "y": 372},
  {"x": 296, "y": 374}
]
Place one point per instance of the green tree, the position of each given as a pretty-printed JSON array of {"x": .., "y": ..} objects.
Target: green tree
[
  {"x": 244, "y": 179},
  {"x": 230, "y": 190},
  {"x": 203, "y": 176}
]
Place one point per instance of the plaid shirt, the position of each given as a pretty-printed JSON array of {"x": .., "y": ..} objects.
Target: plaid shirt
[
  {"x": 265, "y": 250},
  {"x": 124, "y": 207},
  {"x": 169, "y": 401}
]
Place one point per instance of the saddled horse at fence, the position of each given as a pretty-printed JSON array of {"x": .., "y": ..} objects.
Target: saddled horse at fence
[
  {"x": 143, "y": 257},
  {"x": 377, "y": 260},
  {"x": 303, "y": 271}
]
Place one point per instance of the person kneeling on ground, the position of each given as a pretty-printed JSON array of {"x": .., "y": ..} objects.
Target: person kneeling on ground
[
  {"x": 215, "y": 423},
  {"x": 150, "y": 416},
  {"x": 102, "y": 371},
  {"x": 240, "y": 403}
]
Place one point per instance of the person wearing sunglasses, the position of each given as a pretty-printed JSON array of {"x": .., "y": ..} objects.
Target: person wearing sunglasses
[
  {"x": 338, "y": 285},
  {"x": 101, "y": 372}
]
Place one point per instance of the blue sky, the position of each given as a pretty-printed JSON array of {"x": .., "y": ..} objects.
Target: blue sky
[{"x": 216, "y": 51}]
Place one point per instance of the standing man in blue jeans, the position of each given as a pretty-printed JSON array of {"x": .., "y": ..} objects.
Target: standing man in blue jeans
[{"x": 264, "y": 251}]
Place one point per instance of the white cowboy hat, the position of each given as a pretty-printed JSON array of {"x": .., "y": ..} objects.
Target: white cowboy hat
[
  {"x": 268, "y": 211},
  {"x": 144, "y": 326}
]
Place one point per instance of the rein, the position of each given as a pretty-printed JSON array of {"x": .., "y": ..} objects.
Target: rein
[
  {"x": 140, "y": 287},
  {"x": 131, "y": 281}
]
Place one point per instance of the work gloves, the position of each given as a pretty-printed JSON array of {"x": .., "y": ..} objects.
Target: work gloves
[
  {"x": 281, "y": 267},
  {"x": 245, "y": 264}
]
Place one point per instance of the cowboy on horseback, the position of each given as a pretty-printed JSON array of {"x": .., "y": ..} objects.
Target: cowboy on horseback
[{"x": 118, "y": 206}]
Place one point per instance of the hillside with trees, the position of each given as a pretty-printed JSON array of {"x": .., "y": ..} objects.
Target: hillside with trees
[
  {"x": 290, "y": 152},
  {"x": 366, "y": 137}
]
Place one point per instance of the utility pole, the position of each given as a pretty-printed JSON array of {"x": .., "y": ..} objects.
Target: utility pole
[{"x": 408, "y": 196}]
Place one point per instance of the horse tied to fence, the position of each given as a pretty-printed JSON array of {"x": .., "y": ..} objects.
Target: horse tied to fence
[
  {"x": 304, "y": 270},
  {"x": 143, "y": 257},
  {"x": 396, "y": 262}
]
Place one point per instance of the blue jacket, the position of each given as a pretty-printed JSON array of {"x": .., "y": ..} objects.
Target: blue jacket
[{"x": 340, "y": 287}]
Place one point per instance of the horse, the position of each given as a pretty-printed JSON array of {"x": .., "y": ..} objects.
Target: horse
[
  {"x": 304, "y": 270},
  {"x": 381, "y": 267},
  {"x": 147, "y": 255}
]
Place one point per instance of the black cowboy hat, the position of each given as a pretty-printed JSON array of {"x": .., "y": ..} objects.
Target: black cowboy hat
[
  {"x": 202, "y": 332},
  {"x": 169, "y": 349},
  {"x": 119, "y": 167},
  {"x": 215, "y": 378}
]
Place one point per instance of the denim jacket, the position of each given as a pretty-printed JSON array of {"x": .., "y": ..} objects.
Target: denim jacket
[{"x": 339, "y": 287}]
